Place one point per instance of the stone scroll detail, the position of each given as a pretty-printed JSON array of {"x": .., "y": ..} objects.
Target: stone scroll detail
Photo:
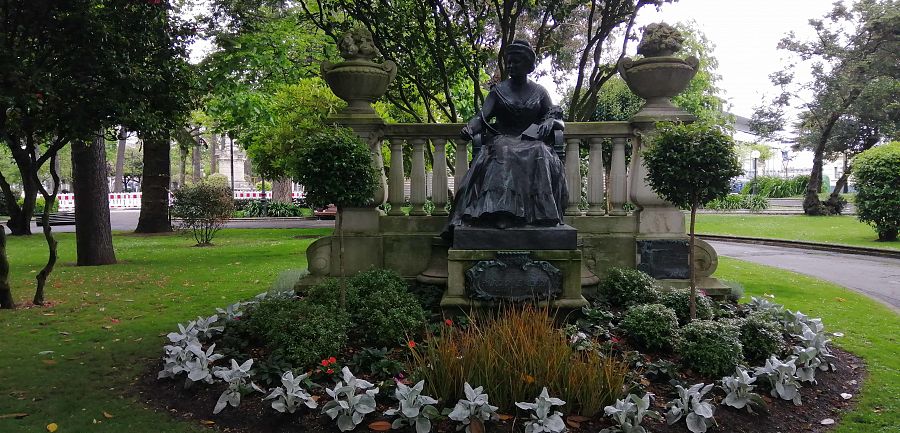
[{"x": 513, "y": 276}]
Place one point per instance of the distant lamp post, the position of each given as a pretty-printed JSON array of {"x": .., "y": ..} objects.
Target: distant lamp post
[{"x": 755, "y": 156}]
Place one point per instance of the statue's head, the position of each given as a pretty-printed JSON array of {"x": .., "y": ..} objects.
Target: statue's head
[{"x": 519, "y": 58}]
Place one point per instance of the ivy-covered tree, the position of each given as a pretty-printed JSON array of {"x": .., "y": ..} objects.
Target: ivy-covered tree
[
  {"x": 688, "y": 165},
  {"x": 852, "y": 59}
]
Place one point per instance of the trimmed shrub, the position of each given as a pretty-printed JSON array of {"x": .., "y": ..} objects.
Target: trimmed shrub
[
  {"x": 39, "y": 205},
  {"x": 651, "y": 327},
  {"x": 258, "y": 208},
  {"x": 877, "y": 174},
  {"x": 753, "y": 203},
  {"x": 381, "y": 308},
  {"x": 625, "y": 287},
  {"x": 217, "y": 180},
  {"x": 680, "y": 301},
  {"x": 203, "y": 210},
  {"x": 710, "y": 348},
  {"x": 299, "y": 331},
  {"x": 760, "y": 338}
]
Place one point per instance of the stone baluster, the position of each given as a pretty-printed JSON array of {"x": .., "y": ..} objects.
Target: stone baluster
[
  {"x": 439, "y": 177},
  {"x": 596, "y": 181},
  {"x": 417, "y": 178},
  {"x": 617, "y": 178},
  {"x": 395, "y": 191},
  {"x": 573, "y": 176},
  {"x": 462, "y": 163}
]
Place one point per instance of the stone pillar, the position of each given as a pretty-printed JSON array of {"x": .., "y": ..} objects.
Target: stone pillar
[
  {"x": 395, "y": 190},
  {"x": 462, "y": 163},
  {"x": 573, "y": 177},
  {"x": 417, "y": 178},
  {"x": 617, "y": 178},
  {"x": 596, "y": 181},
  {"x": 439, "y": 177}
]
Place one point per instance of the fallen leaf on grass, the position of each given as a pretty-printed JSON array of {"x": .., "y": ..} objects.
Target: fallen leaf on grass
[
  {"x": 476, "y": 426},
  {"x": 573, "y": 424},
  {"x": 107, "y": 415},
  {"x": 207, "y": 422},
  {"x": 380, "y": 426},
  {"x": 48, "y": 362},
  {"x": 839, "y": 299},
  {"x": 504, "y": 417},
  {"x": 13, "y": 415},
  {"x": 52, "y": 427}
]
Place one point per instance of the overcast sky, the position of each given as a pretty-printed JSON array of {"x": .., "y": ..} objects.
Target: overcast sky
[{"x": 745, "y": 34}]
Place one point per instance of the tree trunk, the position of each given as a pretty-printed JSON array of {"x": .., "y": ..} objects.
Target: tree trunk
[
  {"x": 834, "y": 203},
  {"x": 811, "y": 203},
  {"x": 154, "y": 216},
  {"x": 49, "y": 199},
  {"x": 119, "y": 183},
  {"x": 20, "y": 217},
  {"x": 6, "y": 299},
  {"x": 196, "y": 165},
  {"x": 213, "y": 153},
  {"x": 93, "y": 233},
  {"x": 281, "y": 190},
  {"x": 182, "y": 165}
]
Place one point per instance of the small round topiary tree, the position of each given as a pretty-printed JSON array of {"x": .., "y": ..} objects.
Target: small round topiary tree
[
  {"x": 877, "y": 173},
  {"x": 711, "y": 348},
  {"x": 651, "y": 327},
  {"x": 688, "y": 165},
  {"x": 335, "y": 167},
  {"x": 625, "y": 287}
]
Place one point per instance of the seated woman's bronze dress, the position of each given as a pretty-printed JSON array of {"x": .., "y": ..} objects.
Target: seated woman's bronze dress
[{"x": 517, "y": 179}]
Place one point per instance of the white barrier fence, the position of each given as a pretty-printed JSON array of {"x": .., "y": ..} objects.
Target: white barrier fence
[{"x": 132, "y": 200}]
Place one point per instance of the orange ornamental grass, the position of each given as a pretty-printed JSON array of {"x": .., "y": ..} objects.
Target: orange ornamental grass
[{"x": 513, "y": 355}]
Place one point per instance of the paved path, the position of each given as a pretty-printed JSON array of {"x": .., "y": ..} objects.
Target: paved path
[{"x": 876, "y": 277}]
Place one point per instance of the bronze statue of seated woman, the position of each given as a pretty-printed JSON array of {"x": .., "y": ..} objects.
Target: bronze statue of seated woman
[{"x": 516, "y": 176}]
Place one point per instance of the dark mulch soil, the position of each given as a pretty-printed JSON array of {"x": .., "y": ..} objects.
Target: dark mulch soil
[{"x": 819, "y": 402}]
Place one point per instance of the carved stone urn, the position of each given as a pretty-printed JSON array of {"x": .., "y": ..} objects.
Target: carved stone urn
[
  {"x": 359, "y": 80},
  {"x": 659, "y": 75}
]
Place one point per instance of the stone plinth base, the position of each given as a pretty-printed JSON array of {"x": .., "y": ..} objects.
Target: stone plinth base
[
  {"x": 561, "y": 237},
  {"x": 567, "y": 262}
]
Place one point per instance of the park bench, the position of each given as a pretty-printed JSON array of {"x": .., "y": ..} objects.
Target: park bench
[{"x": 57, "y": 219}]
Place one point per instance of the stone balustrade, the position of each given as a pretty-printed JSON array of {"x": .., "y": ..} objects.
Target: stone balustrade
[{"x": 441, "y": 136}]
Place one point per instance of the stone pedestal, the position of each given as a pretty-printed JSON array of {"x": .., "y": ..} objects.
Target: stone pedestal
[{"x": 486, "y": 267}]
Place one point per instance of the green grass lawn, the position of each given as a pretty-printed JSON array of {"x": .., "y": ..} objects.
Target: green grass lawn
[
  {"x": 107, "y": 322},
  {"x": 870, "y": 330},
  {"x": 839, "y": 230}
]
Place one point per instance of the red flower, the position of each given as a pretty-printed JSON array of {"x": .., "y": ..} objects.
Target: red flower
[
  {"x": 411, "y": 344},
  {"x": 332, "y": 360},
  {"x": 448, "y": 322},
  {"x": 324, "y": 363},
  {"x": 329, "y": 371},
  {"x": 614, "y": 340}
]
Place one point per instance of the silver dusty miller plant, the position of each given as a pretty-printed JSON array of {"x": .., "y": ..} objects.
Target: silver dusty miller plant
[
  {"x": 349, "y": 406},
  {"x": 739, "y": 390},
  {"x": 415, "y": 409},
  {"x": 473, "y": 408},
  {"x": 629, "y": 413},
  {"x": 238, "y": 379},
  {"x": 542, "y": 420},
  {"x": 291, "y": 395},
  {"x": 781, "y": 378},
  {"x": 698, "y": 413}
]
